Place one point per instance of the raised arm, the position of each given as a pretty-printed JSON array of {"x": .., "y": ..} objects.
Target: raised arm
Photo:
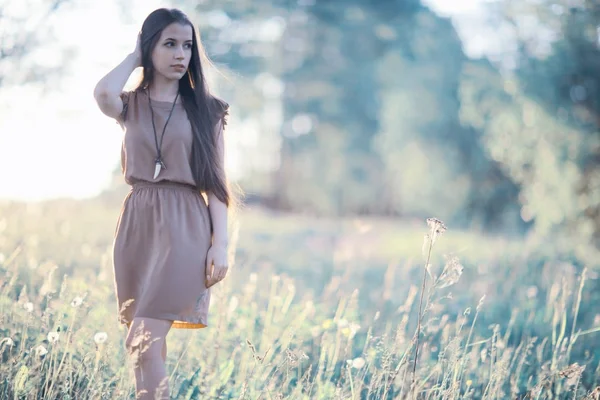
[{"x": 108, "y": 90}]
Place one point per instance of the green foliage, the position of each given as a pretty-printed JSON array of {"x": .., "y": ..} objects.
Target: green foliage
[{"x": 374, "y": 108}]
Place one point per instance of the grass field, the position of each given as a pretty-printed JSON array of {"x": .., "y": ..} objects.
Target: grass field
[{"x": 312, "y": 309}]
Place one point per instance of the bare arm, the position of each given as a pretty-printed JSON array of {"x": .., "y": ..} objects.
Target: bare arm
[{"x": 108, "y": 90}]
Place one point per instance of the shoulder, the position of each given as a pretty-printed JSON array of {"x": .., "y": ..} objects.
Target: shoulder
[
  {"x": 219, "y": 109},
  {"x": 127, "y": 97}
]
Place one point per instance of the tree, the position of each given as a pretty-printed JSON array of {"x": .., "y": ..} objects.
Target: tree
[
  {"x": 541, "y": 120},
  {"x": 24, "y": 32}
]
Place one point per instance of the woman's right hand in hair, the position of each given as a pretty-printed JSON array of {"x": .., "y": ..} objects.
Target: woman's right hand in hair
[{"x": 108, "y": 90}]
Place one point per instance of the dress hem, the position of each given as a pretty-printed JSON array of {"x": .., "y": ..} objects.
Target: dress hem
[{"x": 177, "y": 323}]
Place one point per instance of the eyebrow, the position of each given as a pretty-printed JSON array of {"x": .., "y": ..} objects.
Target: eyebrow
[{"x": 189, "y": 40}]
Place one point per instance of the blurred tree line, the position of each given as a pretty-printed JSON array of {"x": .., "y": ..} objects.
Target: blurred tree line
[
  {"x": 24, "y": 33},
  {"x": 353, "y": 107}
]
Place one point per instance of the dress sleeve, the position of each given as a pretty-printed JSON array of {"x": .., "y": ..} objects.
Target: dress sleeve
[
  {"x": 121, "y": 118},
  {"x": 221, "y": 109}
]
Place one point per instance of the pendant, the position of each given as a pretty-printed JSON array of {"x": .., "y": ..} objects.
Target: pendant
[{"x": 159, "y": 164}]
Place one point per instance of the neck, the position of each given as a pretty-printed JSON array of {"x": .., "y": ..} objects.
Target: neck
[{"x": 163, "y": 90}]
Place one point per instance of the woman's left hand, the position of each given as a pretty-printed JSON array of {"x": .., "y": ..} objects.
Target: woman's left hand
[{"x": 216, "y": 265}]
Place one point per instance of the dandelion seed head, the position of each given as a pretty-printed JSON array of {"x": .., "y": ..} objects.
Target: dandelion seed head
[
  {"x": 358, "y": 363},
  {"x": 53, "y": 337},
  {"x": 100, "y": 337},
  {"x": 77, "y": 301},
  {"x": 41, "y": 350}
]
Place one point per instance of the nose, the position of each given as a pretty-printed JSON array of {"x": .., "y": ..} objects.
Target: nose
[{"x": 179, "y": 54}]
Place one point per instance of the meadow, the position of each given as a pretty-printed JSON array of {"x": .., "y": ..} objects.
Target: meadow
[{"x": 312, "y": 308}]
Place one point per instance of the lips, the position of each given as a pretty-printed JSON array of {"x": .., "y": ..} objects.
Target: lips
[{"x": 178, "y": 67}]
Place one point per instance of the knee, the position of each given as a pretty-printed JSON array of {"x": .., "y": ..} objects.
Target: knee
[{"x": 142, "y": 346}]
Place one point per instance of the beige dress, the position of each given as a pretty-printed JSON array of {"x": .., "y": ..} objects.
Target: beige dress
[{"x": 164, "y": 230}]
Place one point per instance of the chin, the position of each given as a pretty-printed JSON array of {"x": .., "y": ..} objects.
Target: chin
[{"x": 173, "y": 76}]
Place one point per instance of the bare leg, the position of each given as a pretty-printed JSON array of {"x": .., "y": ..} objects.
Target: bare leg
[{"x": 146, "y": 343}]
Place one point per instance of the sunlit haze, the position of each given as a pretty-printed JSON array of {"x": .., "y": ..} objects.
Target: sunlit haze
[{"x": 59, "y": 144}]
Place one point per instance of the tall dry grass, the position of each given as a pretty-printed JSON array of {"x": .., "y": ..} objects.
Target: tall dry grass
[{"x": 275, "y": 335}]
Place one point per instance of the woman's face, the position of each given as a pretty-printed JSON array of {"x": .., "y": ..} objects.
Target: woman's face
[{"x": 173, "y": 51}]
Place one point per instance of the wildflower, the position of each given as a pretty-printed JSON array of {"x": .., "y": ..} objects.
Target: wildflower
[
  {"x": 451, "y": 273},
  {"x": 41, "y": 350},
  {"x": 28, "y": 306},
  {"x": 469, "y": 382},
  {"x": 327, "y": 324},
  {"x": 358, "y": 363},
  {"x": 354, "y": 328},
  {"x": 100, "y": 337},
  {"x": 233, "y": 304},
  {"x": 77, "y": 301},
  {"x": 8, "y": 341},
  {"x": 342, "y": 323},
  {"x": 436, "y": 228},
  {"x": 53, "y": 337}
]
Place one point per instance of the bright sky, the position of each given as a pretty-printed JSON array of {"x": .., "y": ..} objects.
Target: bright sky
[{"x": 60, "y": 145}]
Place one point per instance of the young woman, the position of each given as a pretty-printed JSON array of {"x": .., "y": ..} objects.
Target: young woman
[{"x": 170, "y": 243}]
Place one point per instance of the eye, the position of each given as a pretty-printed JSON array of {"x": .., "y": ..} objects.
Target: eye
[{"x": 188, "y": 45}]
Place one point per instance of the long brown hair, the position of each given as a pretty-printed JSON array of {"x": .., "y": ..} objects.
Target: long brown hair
[{"x": 203, "y": 109}]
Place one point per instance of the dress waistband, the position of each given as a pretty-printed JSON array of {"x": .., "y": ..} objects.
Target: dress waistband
[{"x": 164, "y": 184}]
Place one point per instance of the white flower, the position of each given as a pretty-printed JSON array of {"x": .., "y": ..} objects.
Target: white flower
[
  {"x": 233, "y": 304},
  {"x": 342, "y": 323},
  {"x": 100, "y": 337},
  {"x": 77, "y": 301},
  {"x": 8, "y": 341},
  {"x": 41, "y": 350},
  {"x": 28, "y": 306},
  {"x": 53, "y": 337},
  {"x": 358, "y": 363}
]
